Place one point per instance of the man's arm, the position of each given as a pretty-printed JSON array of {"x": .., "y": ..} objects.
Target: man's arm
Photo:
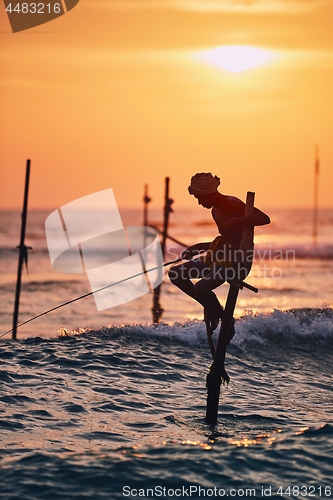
[{"x": 259, "y": 218}]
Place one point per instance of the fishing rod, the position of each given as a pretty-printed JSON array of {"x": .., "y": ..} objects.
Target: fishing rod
[{"x": 95, "y": 291}]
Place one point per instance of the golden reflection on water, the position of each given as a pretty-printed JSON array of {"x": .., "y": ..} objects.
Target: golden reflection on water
[
  {"x": 263, "y": 438},
  {"x": 259, "y": 439},
  {"x": 136, "y": 451},
  {"x": 243, "y": 442},
  {"x": 301, "y": 431},
  {"x": 204, "y": 446},
  {"x": 268, "y": 438}
]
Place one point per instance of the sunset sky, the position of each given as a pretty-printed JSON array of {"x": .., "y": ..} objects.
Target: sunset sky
[{"x": 119, "y": 93}]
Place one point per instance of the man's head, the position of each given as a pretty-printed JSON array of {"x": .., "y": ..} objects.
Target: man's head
[{"x": 204, "y": 187}]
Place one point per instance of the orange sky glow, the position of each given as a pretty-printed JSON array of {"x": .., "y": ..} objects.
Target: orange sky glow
[{"x": 122, "y": 93}]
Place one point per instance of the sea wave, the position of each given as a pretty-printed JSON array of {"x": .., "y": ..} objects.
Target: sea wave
[
  {"x": 301, "y": 326},
  {"x": 296, "y": 325}
]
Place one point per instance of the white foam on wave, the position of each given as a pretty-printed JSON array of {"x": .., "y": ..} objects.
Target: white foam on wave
[
  {"x": 298, "y": 325},
  {"x": 192, "y": 332}
]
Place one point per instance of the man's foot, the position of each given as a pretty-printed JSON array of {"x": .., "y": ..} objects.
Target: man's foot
[{"x": 211, "y": 319}]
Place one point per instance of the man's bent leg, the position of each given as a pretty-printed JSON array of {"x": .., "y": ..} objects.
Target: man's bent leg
[
  {"x": 203, "y": 289},
  {"x": 182, "y": 275}
]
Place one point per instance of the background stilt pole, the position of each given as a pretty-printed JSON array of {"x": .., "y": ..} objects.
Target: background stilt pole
[
  {"x": 23, "y": 251},
  {"x": 157, "y": 309},
  {"x": 146, "y": 201}
]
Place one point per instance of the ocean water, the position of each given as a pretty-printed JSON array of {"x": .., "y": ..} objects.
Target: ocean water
[
  {"x": 107, "y": 412},
  {"x": 108, "y": 405}
]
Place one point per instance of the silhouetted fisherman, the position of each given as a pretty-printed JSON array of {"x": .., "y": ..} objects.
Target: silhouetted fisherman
[{"x": 219, "y": 262}]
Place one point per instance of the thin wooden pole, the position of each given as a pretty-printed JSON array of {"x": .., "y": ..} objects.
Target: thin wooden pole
[
  {"x": 157, "y": 309},
  {"x": 315, "y": 197},
  {"x": 146, "y": 201},
  {"x": 166, "y": 214},
  {"x": 23, "y": 250},
  {"x": 217, "y": 371}
]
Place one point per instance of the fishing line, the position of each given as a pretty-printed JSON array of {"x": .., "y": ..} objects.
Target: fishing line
[{"x": 95, "y": 291}]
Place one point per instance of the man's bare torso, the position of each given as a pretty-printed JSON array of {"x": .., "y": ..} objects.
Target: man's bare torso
[{"x": 228, "y": 208}]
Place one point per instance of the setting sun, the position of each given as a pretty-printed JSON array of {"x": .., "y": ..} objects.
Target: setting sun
[{"x": 236, "y": 58}]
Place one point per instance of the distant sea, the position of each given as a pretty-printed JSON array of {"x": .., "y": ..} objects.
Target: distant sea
[{"x": 108, "y": 405}]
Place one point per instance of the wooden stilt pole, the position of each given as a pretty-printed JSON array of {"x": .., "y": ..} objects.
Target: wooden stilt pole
[
  {"x": 217, "y": 371},
  {"x": 157, "y": 309},
  {"x": 315, "y": 197},
  {"x": 209, "y": 332},
  {"x": 146, "y": 201},
  {"x": 23, "y": 250},
  {"x": 167, "y": 210}
]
